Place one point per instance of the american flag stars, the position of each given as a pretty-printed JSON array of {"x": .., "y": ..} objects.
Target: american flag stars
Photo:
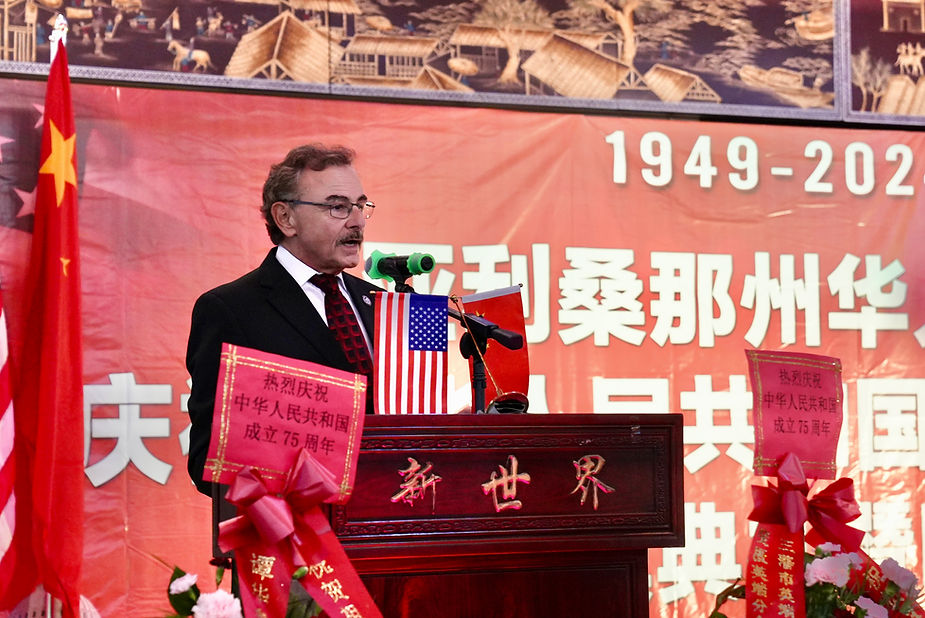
[{"x": 428, "y": 323}]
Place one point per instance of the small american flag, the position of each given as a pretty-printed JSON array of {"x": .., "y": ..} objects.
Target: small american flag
[{"x": 410, "y": 364}]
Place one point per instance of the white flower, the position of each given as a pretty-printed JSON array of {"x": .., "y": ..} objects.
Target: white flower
[
  {"x": 904, "y": 578},
  {"x": 833, "y": 569},
  {"x": 218, "y": 604},
  {"x": 829, "y": 548},
  {"x": 183, "y": 583},
  {"x": 873, "y": 610}
]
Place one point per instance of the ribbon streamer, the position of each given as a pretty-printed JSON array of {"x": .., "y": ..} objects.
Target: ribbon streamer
[
  {"x": 774, "y": 577},
  {"x": 874, "y": 582},
  {"x": 781, "y": 513},
  {"x": 274, "y": 534}
]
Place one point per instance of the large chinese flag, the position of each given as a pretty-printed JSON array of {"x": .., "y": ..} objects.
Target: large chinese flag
[{"x": 47, "y": 546}]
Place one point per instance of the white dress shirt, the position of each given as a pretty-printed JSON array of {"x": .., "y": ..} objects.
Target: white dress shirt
[{"x": 302, "y": 273}]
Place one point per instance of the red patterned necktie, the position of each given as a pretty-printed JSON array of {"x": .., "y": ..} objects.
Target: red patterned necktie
[{"x": 343, "y": 324}]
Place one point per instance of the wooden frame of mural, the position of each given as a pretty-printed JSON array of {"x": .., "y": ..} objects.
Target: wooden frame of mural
[{"x": 799, "y": 59}]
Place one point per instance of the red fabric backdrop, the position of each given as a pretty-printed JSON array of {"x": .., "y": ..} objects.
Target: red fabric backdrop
[{"x": 642, "y": 294}]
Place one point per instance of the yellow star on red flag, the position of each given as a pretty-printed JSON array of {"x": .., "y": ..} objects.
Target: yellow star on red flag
[{"x": 60, "y": 161}]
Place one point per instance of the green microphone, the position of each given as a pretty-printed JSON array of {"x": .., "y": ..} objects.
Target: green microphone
[{"x": 398, "y": 268}]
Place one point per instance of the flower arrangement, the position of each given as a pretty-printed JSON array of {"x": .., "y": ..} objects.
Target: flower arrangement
[
  {"x": 187, "y": 600},
  {"x": 836, "y": 587}
]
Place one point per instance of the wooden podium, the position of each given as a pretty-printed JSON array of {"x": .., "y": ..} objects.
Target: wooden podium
[{"x": 513, "y": 516}]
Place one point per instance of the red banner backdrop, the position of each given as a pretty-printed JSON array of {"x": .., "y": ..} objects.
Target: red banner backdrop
[{"x": 652, "y": 253}]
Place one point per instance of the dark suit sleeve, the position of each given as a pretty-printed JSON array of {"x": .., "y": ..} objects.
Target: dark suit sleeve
[{"x": 213, "y": 323}]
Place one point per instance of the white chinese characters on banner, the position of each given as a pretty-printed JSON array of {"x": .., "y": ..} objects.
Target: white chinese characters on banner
[{"x": 130, "y": 429}]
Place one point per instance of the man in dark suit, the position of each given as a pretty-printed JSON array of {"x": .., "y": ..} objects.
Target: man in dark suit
[{"x": 315, "y": 211}]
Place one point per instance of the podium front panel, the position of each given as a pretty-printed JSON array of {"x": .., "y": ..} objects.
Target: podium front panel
[{"x": 440, "y": 494}]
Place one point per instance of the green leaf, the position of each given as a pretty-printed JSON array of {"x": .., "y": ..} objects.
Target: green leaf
[
  {"x": 182, "y": 602},
  {"x": 301, "y": 604},
  {"x": 821, "y": 600}
]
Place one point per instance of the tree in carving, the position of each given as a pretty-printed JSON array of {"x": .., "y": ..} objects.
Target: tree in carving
[
  {"x": 624, "y": 14},
  {"x": 512, "y": 18}
]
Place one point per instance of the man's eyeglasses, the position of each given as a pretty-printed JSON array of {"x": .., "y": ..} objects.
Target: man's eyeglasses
[{"x": 340, "y": 209}]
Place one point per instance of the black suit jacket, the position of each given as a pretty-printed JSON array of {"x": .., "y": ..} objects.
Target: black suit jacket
[{"x": 265, "y": 310}]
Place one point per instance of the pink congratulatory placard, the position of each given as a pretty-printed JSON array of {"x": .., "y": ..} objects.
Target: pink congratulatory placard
[
  {"x": 268, "y": 407},
  {"x": 798, "y": 409}
]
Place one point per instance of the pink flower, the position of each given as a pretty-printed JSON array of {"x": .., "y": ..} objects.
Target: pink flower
[
  {"x": 855, "y": 559},
  {"x": 218, "y": 604},
  {"x": 183, "y": 583},
  {"x": 904, "y": 578},
  {"x": 873, "y": 610},
  {"x": 833, "y": 569},
  {"x": 829, "y": 548}
]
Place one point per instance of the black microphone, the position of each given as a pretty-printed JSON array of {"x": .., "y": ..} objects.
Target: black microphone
[
  {"x": 397, "y": 268},
  {"x": 485, "y": 330}
]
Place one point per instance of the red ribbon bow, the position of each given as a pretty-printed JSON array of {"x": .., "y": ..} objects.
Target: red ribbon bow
[
  {"x": 268, "y": 519},
  {"x": 827, "y": 511},
  {"x": 276, "y": 533}
]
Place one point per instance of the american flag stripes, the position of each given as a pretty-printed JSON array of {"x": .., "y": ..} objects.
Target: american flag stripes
[
  {"x": 410, "y": 361},
  {"x": 7, "y": 429}
]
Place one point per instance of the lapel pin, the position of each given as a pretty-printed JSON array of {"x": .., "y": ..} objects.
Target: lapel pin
[{"x": 366, "y": 300}]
